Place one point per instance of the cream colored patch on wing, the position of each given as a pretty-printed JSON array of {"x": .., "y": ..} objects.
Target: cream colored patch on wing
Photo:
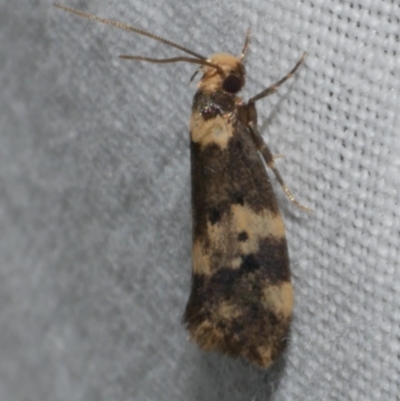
[
  {"x": 256, "y": 225},
  {"x": 236, "y": 262},
  {"x": 243, "y": 219},
  {"x": 227, "y": 311},
  {"x": 265, "y": 354},
  {"x": 279, "y": 299},
  {"x": 200, "y": 260},
  {"x": 206, "y": 335},
  {"x": 217, "y": 130}
]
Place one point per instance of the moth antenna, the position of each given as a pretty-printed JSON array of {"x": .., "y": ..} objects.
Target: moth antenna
[
  {"x": 130, "y": 28},
  {"x": 174, "y": 60},
  {"x": 245, "y": 45}
]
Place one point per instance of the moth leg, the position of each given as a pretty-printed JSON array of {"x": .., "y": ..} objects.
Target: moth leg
[
  {"x": 279, "y": 156},
  {"x": 269, "y": 160},
  {"x": 273, "y": 88}
]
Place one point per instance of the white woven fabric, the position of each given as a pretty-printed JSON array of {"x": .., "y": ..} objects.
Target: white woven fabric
[{"x": 95, "y": 199}]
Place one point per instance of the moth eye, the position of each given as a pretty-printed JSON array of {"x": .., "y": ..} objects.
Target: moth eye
[{"x": 232, "y": 84}]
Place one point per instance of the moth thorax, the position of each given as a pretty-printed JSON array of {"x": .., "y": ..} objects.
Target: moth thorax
[{"x": 229, "y": 78}]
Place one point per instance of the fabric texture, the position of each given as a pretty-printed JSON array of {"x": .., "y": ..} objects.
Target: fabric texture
[{"x": 95, "y": 249}]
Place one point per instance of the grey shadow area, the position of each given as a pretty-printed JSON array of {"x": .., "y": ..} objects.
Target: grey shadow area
[{"x": 219, "y": 378}]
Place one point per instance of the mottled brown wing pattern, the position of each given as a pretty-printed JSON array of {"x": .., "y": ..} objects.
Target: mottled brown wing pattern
[{"x": 241, "y": 296}]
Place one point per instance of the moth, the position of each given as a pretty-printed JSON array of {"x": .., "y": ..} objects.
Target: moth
[{"x": 241, "y": 297}]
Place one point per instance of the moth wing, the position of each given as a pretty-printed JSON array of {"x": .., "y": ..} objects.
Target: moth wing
[{"x": 241, "y": 297}]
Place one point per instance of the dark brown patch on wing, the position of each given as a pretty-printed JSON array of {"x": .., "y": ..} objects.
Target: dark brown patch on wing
[
  {"x": 195, "y": 311},
  {"x": 217, "y": 103},
  {"x": 215, "y": 215},
  {"x": 272, "y": 258},
  {"x": 243, "y": 236},
  {"x": 237, "y": 198}
]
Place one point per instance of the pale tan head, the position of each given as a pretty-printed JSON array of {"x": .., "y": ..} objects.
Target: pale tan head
[{"x": 230, "y": 77}]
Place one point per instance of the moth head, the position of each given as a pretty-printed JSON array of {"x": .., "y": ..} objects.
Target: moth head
[{"x": 223, "y": 72}]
